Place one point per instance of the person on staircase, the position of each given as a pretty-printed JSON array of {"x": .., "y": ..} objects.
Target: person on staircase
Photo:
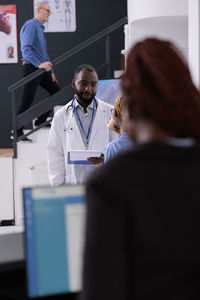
[{"x": 34, "y": 57}]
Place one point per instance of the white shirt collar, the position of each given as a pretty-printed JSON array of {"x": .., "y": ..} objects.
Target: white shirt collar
[{"x": 78, "y": 105}]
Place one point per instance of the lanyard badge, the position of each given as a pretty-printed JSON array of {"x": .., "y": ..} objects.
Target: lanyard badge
[{"x": 87, "y": 135}]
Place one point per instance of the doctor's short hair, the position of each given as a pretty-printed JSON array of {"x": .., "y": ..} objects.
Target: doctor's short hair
[{"x": 87, "y": 67}]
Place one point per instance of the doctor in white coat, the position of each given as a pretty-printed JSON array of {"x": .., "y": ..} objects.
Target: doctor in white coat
[{"x": 80, "y": 125}]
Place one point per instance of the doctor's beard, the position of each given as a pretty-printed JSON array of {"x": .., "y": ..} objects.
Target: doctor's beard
[{"x": 84, "y": 99}]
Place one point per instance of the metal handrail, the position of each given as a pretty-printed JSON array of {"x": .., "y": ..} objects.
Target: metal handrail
[
  {"x": 70, "y": 52},
  {"x": 92, "y": 40},
  {"x": 46, "y": 105}
]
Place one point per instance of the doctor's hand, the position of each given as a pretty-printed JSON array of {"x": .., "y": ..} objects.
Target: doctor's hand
[{"x": 96, "y": 160}]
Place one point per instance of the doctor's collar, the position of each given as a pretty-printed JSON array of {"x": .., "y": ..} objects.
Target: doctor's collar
[{"x": 76, "y": 103}]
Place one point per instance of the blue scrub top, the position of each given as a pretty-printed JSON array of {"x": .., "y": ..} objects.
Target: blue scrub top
[{"x": 119, "y": 144}]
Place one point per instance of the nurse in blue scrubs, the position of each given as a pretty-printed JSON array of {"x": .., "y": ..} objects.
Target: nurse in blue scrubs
[{"x": 122, "y": 142}]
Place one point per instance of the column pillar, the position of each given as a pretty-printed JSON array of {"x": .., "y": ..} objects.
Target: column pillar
[{"x": 194, "y": 39}]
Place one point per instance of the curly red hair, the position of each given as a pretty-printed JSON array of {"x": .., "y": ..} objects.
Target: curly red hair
[{"x": 158, "y": 87}]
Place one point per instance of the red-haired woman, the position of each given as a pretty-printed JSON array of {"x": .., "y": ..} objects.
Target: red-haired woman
[{"x": 143, "y": 208}]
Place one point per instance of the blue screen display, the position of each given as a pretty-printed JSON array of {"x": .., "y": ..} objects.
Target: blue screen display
[{"x": 50, "y": 219}]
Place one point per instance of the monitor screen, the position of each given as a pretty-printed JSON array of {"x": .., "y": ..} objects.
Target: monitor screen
[
  {"x": 108, "y": 90},
  {"x": 54, "y": 230}
]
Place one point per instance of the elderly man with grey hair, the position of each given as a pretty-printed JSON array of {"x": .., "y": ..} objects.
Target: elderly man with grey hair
[{"x": 34, "y": 57}]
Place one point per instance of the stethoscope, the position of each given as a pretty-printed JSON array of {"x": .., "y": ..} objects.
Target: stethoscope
[{"x": 73, "y": 106}]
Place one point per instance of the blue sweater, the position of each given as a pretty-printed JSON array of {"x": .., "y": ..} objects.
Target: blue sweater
[{"x": 33, "y": 43}]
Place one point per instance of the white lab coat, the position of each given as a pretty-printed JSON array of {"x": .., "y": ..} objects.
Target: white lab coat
[{"x": 65, "y": 136}]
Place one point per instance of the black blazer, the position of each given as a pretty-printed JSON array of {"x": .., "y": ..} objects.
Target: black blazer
[{"x": 143, "y": 226}]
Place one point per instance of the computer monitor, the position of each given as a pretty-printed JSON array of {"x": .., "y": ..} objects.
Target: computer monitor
[
  {"x": 108, "y": 90},
  {"x": 54, "y": 231}
]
